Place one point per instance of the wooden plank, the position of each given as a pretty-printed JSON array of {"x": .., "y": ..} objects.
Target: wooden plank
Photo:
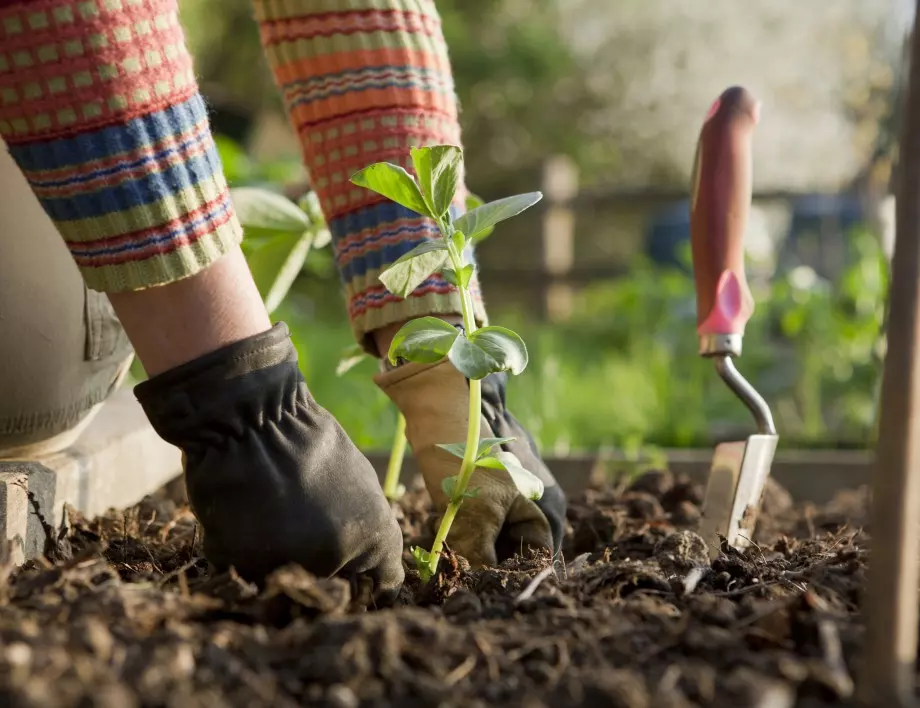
[
  {"x": 560, "y": 185},
  {"x": 809, "y": 476},
  {"x": 888, "y": 673}
]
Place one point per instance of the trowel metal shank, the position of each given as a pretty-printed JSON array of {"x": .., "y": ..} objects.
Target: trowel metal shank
[{"x": 740, "y": 469}]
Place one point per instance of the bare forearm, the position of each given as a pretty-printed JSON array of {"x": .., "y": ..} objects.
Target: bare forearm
[{"x": 176, "y": 323}]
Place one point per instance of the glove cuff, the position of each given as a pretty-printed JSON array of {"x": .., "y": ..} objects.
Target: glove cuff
[
  {"x": 434, "y": 398},
  {"x": 226, "y": 390}
]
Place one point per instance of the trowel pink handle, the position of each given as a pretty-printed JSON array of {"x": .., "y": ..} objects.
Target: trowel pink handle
[{"x": 720, "y": 206}]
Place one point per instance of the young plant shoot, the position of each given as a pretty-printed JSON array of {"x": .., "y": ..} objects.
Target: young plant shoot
[
  {"x": 278, "y": 235},
  {"x": 392, "y": 489},
  {"x": 476, "y": 353}
]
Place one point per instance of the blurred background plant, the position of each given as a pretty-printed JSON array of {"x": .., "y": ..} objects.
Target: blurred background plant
[{"x": 617, "y": 91}]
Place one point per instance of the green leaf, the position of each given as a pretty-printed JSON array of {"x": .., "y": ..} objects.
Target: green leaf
[
  {"x": 493, "y": 463},
  {"x": 424, "y": 340},
  {"x": 450, "y": 275},
  {"x": 488, "y": 351},
  {"x": 455, "y": 449},
  {"x": 422, "y": 562},
  {"x": 438, "y": 168},
  {"x": 276, "y": 263},
  {"x": 466, "y": 274},
  {"x": 486, "y": 445},
  {"x": 449, "y": 485},
  {"x": 458, "y": 239},
  {"x": 237, "y": 167},
  {"x": 411, "y": 270},
  {"x": 394, "y": 183},
  {"x": 473, "y": 201},
  {"x": 267, "y": 211},
  {"x": 504, "y": 346},
  {"x": 462, "y": 279},
  {"x": 527, "y": 482},
  {"x": 322, "y": 237},
  {"x": 476, "y": 222},
  {"x": 472, "y": 361},
  {"x": 309, "y": 205},
  {"x": 351, "y": 357}
]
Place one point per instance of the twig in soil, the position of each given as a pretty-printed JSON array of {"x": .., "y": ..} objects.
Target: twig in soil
[
  {"x": 461, "y": 672},
  {"x": 180, "y": 570},
  {"x": 668, "y": 681},
  {"x": 487, "y": 655},
  {"x": 763, "y": 558},
  {"x": 831, "y": 647},
  {"x": 745, "y": 590},
  {"x": 528, "y": 592},
  {"x": 577, "y": 565},
  {"x": 183, "y": 584},
  {"x": 565, "y": 660},
  {"x": 693, "y": 578},
  {"x": 809, "y": 521},
  {"x": 833, "y": 657},
  {"x": 521, "y": 652},
  {"x": 766, "y": 612}
]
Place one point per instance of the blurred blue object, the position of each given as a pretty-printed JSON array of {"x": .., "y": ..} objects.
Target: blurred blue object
[
  {"x": 667, "y": 235},
  {"x": 817, "y": 234}
]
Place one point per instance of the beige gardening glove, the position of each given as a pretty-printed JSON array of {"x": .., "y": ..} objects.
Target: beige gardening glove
[{"x": 434, "y": 398}]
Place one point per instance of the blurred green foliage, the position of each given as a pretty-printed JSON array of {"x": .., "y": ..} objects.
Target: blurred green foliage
[
  {"x": 519, "y": 87},
  {"x": 624, "y": 372}
]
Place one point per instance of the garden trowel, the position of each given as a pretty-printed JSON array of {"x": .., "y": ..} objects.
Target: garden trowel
[{"x": 720, "y": 205}]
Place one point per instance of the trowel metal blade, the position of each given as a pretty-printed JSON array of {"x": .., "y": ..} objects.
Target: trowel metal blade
[{"x": 736, "y": 482}]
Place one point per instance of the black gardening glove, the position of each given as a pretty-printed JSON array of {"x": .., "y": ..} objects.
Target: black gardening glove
[{"x": 271, "y": 476}]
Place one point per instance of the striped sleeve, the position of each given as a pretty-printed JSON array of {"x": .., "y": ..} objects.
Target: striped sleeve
[
  {"x": 100, "y": 109},
  {"x": 363, "y": 81}
]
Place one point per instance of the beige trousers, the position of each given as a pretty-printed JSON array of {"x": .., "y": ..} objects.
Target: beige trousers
[{"x": 62, "y": 349}]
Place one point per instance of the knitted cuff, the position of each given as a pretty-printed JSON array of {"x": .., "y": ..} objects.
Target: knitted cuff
[
  {"x": 100, "y": 109},
  {"x": 363, "y": 82}
]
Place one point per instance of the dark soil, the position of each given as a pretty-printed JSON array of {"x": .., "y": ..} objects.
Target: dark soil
[{"x": 127, "y": 614}]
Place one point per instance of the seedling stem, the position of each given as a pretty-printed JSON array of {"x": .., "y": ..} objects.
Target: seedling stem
[
  {"x": 397, "y": 453},
  {"x": 474, "y": 352}
]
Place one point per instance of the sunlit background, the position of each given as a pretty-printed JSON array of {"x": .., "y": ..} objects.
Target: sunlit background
[{"x": 599, "y": 104}]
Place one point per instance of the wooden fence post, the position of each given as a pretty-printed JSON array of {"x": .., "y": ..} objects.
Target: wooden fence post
[
  {"x": 890, "y": 605},
  {"x": 560, "y": 185}
]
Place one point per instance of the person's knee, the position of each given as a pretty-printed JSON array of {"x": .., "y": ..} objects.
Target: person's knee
[{"x": 61, "y": 346}]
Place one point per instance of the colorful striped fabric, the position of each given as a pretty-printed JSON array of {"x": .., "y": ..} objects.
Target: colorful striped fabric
[
  {"x": 363, "y": 81},
  {"x": 100, "y": 109}
]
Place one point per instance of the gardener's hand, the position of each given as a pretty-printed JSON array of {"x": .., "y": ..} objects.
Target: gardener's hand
[
  {"x": 499, "y": 521},
  {"x": 271, "y": 476}
]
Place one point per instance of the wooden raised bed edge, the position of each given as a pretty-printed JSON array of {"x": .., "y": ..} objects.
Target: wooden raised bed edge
[{"x": 809, "y": 475}]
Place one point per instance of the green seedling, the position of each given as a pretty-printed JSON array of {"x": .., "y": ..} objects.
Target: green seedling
[
  {"x": 278, "y": 235},
  {"x": 475, "y": 352},
  {"x": 392, "y": 489}
]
